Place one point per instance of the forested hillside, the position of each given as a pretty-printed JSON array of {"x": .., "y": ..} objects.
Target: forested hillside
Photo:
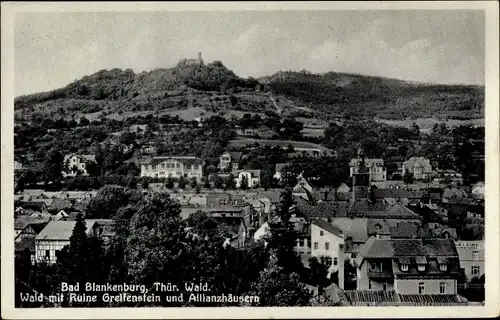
[
  {"x": 216, "y": 89},
  {"x": 357, "y": 95}
]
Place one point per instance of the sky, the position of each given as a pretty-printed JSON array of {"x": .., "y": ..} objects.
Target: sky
[{"x": 53, "y": 49}]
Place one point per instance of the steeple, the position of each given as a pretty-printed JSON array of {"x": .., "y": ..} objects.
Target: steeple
[{"x": 361, "y": 179}]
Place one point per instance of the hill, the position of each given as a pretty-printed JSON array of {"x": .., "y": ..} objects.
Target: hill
[
  {"x": 216, "y": 89},
  {"x": 358, "y": 95}
]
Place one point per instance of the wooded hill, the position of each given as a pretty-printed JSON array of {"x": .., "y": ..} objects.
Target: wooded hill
[{"x": 217, "y": 89}]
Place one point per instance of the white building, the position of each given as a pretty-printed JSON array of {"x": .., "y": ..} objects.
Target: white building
[
  {"x": 478, "y": 190},
  {"x": 419, "y": 167},
  {"x": 173, "y": 167},
  {"x": 328, "y": 241},
  {"x": 229, "y": 160},
  {"x": 471, "y": 255},
  {"x": 252, "y": 178},
  {"x": 375, "y": 167},
  {"x": 75, "y": 164}
]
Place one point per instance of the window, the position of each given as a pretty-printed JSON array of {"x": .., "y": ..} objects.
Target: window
[
  {"x": 378, "y": 227},
  {"x": 163, "y": 165},
  {"x": 369, "y": 284},
  {"x": 404, "y": 267},
  {"x": 321, "y": 233},
  {"x": 384, "y": 286},
  {"x": 301, "y": 242},
  {"x": 153, "y": 167},
  {"x": 421, "y": 267},
  {"x": 195, "y": 167},
  {"x": 47, "y": 253},
  {"x": 376, "y": 266},
  {"x": 475, "y": 255},
  {"x": 420, "y": 287},
  {"x": 443, "y": 267},
  {"x": 475, "y": 270},
  {"x": 327, "y": 245},
  {"x": 335, "y": 261},
  {"x": 442, "y": 287},
  {"x": 316, "y": 246}
]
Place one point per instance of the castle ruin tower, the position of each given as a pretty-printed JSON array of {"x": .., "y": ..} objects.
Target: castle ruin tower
[{"x": 200, "y": 60}]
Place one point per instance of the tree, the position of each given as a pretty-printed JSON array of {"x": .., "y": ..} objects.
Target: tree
[
  {"x": 244, "y": 182},
  {"x": 229, "y": 183},
  {"x": 52, "y": 166},
  {"x": 82, "y": 261},
  {"x": 218, "y": 182},
  {"x": 268, "y": 177},
  {"x": 92, "y": 168},
  {"x": 109, "y": 199},
  {"x": 169, "y": 183},
  {"x": 84, "y": 121},
  {"x": 408, "y": 177},
  {"x": 182, "y": 183},
  {"x": 278, "y": 289},
  {"x": 282, "y": 237},
  {"x": 319, "y": 273},
  {"x": 193, "y": 182}
]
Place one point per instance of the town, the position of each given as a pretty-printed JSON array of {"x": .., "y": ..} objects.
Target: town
[{"x": 363, "y": 214}]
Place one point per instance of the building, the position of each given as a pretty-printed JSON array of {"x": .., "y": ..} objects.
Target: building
[
  {"x": 56, "y": 235},
  {"x": 408, "y": 266},
  {"x": 471, "y": 255},
  {"x": 229, "y": 160},
  {"x": 251, "y": 176},
  {"x": 25, "y": 240},
  {"x": 419, "y": 167},
  {"x": 75, "y": 164},
  {"x": 172, "y": 167},
  {"x": 18, "y": 166},
  {"x": 328, "y": 241},
  {"x": 375, "y": 167},
  {"x": 477, "y": 190},
  {"x": 191, "y": 62}
]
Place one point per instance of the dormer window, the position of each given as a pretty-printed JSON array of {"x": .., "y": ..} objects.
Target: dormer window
[
  {"x": 443, "y": 267},
  {"x": 421, "y": 262},
  {"x": 378, "y": 227},
  {"x": 404, "y": 267}
]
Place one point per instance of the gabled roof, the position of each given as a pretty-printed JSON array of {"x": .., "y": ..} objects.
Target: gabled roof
[
  {"x": 88, "y": 157},
  {"x": 378, "y": 226},
  {"x": 328, "y": 227},
  {"x": 62, "y": 230},
  {"x": 356, "y": 228},
  {"x": 187, "y": 160},
  {"x": 322, "y": 209},
  {"x": 395, "y": 248},
  {"x": 235, "y": 156},
  {"x": 404, "y": 230}
]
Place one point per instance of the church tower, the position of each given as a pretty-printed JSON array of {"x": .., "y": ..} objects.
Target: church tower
[{"x": 361, "y": 179}]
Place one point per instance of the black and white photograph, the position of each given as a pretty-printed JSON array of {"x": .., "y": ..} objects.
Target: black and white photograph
[{"x": 221, "y": 157}]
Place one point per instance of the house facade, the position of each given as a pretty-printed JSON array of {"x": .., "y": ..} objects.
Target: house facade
[
  {"x": 375, "y": 167},
  {"x": 56, "y": 235},
  {"x": 76, "y": 164},
  {"x": 477, "y": 190},
  {"x": 408, "y": 266},
  {"x": 173, "y": 167},
  {"x": 229, "y": 160},
  {"x": 251, "y": 176},
  {"x": 419, "y": 167},
  {"x": 471, "y": 254},
  {"x": 328, "y": 241}
]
